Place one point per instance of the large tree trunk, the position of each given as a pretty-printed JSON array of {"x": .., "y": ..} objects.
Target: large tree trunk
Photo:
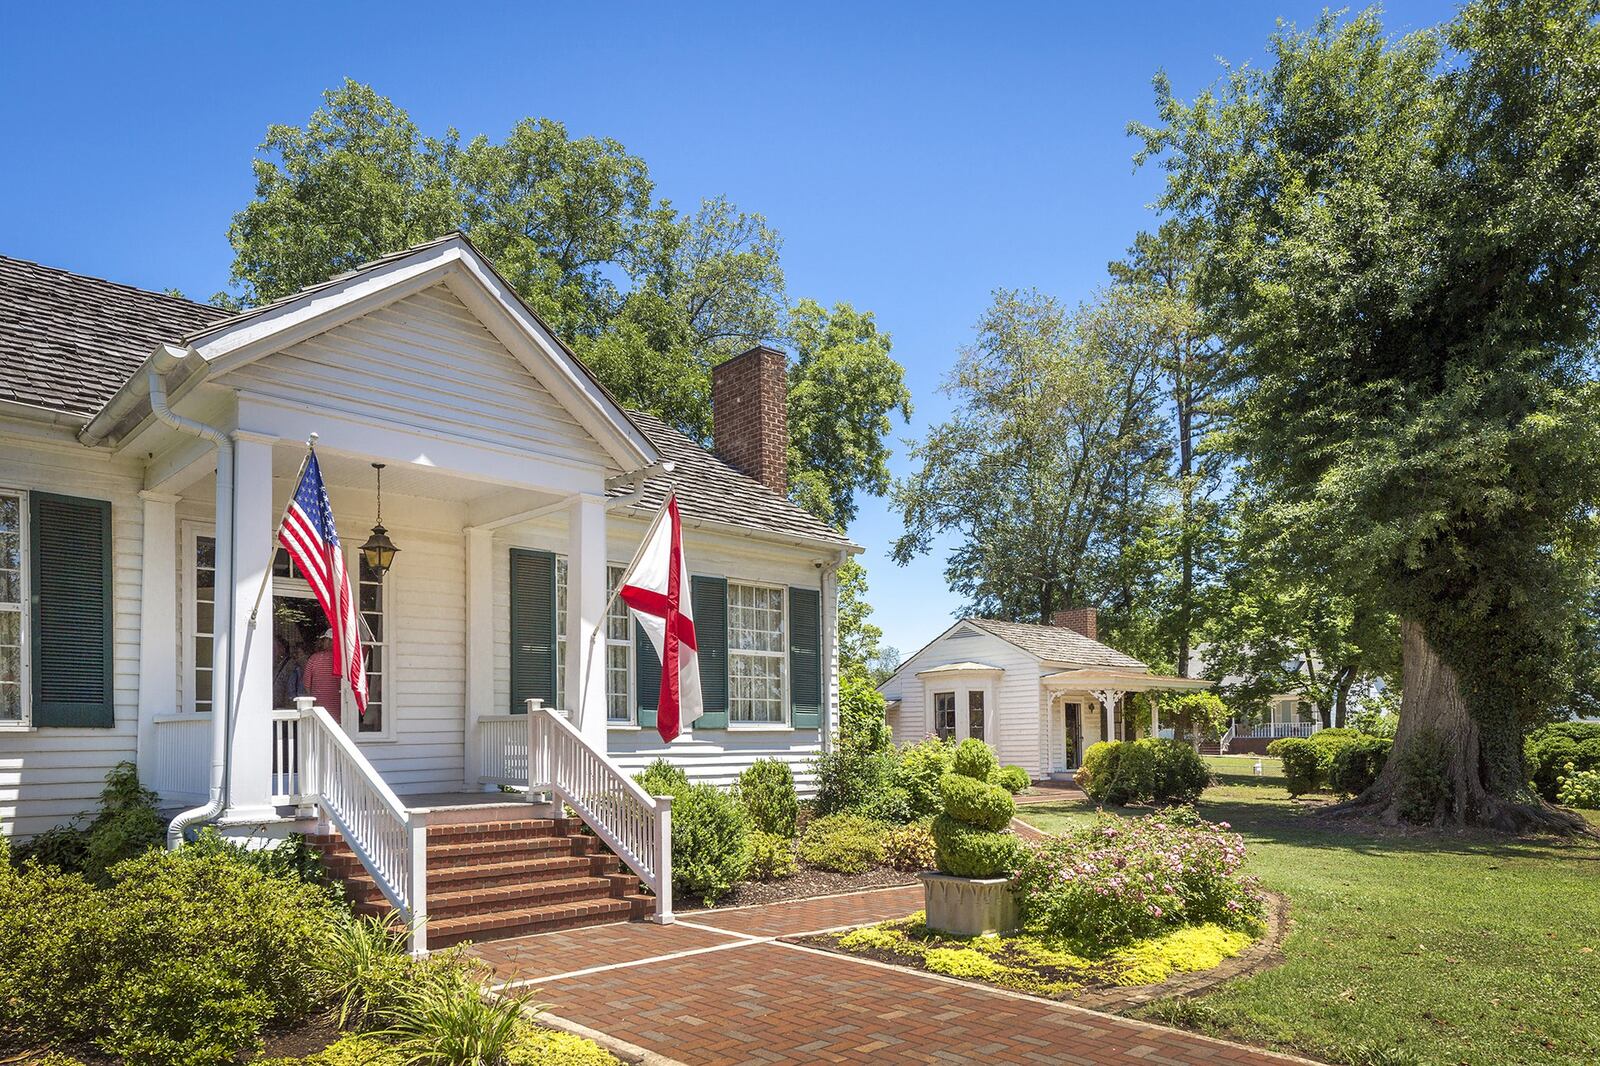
[{"x": 1431, "y": 704}]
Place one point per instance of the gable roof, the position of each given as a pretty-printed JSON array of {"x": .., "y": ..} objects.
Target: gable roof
[
  {"x": 68, "y": 342},
  {"x": 712, "y": 492},
  {"x": 1057, "y": 644}
]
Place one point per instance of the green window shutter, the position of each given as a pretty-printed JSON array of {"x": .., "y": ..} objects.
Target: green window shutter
[
  {"x": 805, "y": 658},
  {"x": 71, "y": 570},
  {"x": 647, "y": 667},
  {"x": 533, "y": 628},
  {"x": 709, "y": 595}
]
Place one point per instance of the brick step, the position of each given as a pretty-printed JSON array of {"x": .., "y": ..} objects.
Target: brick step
[
  {"x": 339, "y": 859},
  {"x": 361, "y": 888},
  {"x": 495, "y": 925},
  {"x": 517, "y": 897}
]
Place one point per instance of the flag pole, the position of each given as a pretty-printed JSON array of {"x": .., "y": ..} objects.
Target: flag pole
[
  {"x": 594, "y": 638},
  {"x": 311, "y": 447}
]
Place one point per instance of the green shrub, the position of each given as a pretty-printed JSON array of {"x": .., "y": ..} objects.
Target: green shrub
[
  {"x": 1579, "y": 788},
  {"x": 1305, "y": 765},
  {"x": 1425, "y": 789},
  {"x": 908, "y": 847},
  {"x": 976, "y": 803},
  {"x": 966, "y": 851},
  {"x": 1152, "y": 770},
  {"x": 1356, "y": 765},
  {"x": 361, "y": 964},
  {"x": 849, "y": 776},
  {"x": 863, "y": 721},
  {"x": 352, "y": 1049},
  {"x": 125, "y": 824},
  {"x": 890, "y": 805},
  {"x": 547, "y": 1047},
  {"x": 771, "y": 857},
  {"x": 1550, "y": 748},
  {"x": 1013, "y": 779},
  {"x": 661, "y": 778},
  {"x": 975, "y": 759},
  {"x": 443, "y": 1019},
  {"x": 844, "y": 843},
  {"x": 184, "y": 958},
  {"x": 710, "y": 841},
  {"x": 767, "y": 792},
  {"x": 918, "y": 770}
]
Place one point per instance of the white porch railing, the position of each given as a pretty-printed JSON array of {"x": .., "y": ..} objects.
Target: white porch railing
[
  {"x": 1277, "y": 730},
  {"x": 502, "y": 741},
  {"x": 181, "y": 759},
  {"x": 633, "y": 824},
  {"x": 286, "y": 756},
  {"x": 390, "y": 841}
]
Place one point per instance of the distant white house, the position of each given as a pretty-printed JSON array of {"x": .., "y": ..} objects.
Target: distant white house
[{"x": 1039, "y": 694}]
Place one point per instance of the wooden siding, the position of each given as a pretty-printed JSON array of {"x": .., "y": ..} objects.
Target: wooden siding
[
  {"x": 1013, "y": 725},
  {"x": 48, "y": 776},
  {"x": 425, "y": 363}
]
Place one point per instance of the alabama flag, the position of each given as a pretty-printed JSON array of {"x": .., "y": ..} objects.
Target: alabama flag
[{"x": 656, "y": 589}]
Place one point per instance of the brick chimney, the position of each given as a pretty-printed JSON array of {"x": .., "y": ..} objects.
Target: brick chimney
[
  {"x": 750, "y": 415},
  {"x": 1082, "y": 619}
]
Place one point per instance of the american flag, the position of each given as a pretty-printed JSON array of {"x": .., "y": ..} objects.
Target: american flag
[{"x": 307, "y": 534}]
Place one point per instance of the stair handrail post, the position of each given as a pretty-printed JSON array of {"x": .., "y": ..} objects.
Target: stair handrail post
[
  {"x": 663, "y": 863},
  {"x": 417, "y": 919},
  {"x": 306, "y": 750}
]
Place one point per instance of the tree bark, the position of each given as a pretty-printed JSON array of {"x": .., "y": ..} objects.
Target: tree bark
[{"x": 1431, "y": 703}]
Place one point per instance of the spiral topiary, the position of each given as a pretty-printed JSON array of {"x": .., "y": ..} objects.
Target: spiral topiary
[{"x": 969, "y": 837}]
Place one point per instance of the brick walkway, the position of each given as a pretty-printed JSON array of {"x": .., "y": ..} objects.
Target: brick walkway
[{"x": 717, "y": 989}]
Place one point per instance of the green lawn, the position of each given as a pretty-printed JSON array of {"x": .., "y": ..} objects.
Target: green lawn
[{"x": 1404, "y": 947}]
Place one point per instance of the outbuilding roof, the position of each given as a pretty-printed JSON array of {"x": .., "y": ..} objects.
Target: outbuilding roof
[{"x": 1057, "y": 644}]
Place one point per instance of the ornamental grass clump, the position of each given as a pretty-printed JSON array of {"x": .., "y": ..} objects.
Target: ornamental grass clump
[
  {"x": 969, "y": 836},
  {"x": 1113, "y": 883}
]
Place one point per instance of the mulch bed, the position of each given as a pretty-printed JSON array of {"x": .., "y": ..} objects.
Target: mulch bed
[
  {"x": 1112, "y": 999},
  {"x": 301, "y": 1041},
  {"x": 809, "y": 882}
]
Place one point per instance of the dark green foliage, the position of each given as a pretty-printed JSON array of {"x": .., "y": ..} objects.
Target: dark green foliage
[
  {"x": 844, "y": 843},
  {"x": 1425, "y": 786},
  {"x": 1013, "y": 779},
  {"x": 891, "y": 805},
  {"x": 1549, "y": 749},
  {"x": 863, "y": 721},
  {"x": 184, "y": 958},
  {"x": 918, "y": 770},
  {"x": 710, "y": 841},
  {"x": 125, "y": 825},
  {"x": 977, "y": 803},
  {"x": 849, "y": 777},
  {"x": 975, "y": 759},
  {"x": 967, "y": 851},
  {"x": 1152, "y": 770},
  {"x": 767, "y": 791},
  {"x": 1305, "y": 765},
  {"x": 661, "y": 778},
  {"x": 1357, "y": 764}
]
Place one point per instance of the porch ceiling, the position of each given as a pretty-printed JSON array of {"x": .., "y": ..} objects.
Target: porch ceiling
[{"x": 401, "y": 479}]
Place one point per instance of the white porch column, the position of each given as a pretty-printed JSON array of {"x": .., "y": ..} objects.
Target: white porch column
[
  {"x": 250, "y": 754},
  {"x": 586, "y": 601},
  {"x": 1155, "y": 716},
  {"x": 1108, "y": 702},
  {"x": 480, "y": 644},
  {"x": 158, "y": 622}
]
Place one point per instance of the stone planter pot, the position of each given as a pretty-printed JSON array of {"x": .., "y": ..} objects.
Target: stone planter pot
[{"x": 969, "y": 906}]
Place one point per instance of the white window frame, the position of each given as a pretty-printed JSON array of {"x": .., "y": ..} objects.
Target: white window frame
[
  {"x": 561, "y": 591},
  {"x": 781, "y": 655},
  {"x": 629, "y": 719},
  {"x": 24, "y": 612},
  {"x": 192, "y": 532},
  {"x": 955, "y": 713},
  {"x": 558, "y": 592}
]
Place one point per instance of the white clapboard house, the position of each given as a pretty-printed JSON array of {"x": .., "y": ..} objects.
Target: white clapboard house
[
  {"x": 147, "y": 448},
  {"x": 1040, "y": 694}
]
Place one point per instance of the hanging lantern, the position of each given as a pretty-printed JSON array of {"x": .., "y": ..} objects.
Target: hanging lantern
[{"x": 379, "y": 551}]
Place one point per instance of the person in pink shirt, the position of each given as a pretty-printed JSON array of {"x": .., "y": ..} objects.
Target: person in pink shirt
[{"x": 320, "y": 681}]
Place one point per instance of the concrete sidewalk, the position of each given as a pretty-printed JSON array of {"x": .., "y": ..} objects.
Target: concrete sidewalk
[{"x": 721, "y": 987}]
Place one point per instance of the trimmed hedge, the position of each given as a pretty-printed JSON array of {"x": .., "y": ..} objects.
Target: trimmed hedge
[
  {"x": 918, "y": 770},
  {"x": 771, "y": 857},
  {"x": 1013, "y": 779},
  {"x": 1308, "y": 762},
  {"x": 1357, "y": 764},
  {"x": 975, "y": 759},
  {"x": 843, "y": 843},
  {"x": 977, "y": 803},
  {"x": 767, "y": 792},
  {"x": 967, "y": 851},
  {"x": 1152, "y": 770}
]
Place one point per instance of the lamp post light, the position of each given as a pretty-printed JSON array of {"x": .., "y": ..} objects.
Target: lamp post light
[{"x": 379, "y": 551}]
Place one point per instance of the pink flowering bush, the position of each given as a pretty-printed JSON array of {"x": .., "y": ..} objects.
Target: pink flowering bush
[{"x": 1120, "y": 881}]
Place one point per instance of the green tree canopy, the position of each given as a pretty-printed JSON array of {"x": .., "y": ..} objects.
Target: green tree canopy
[{"x": 1400, "y": 248}]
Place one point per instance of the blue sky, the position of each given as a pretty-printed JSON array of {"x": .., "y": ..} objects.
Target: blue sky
[{"x": 914, "y": 156}]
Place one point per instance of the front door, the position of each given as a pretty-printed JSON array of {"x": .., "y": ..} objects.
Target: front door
[
  {"x": 298, "y": 625},
  {"x": 1073, "y": 735}
]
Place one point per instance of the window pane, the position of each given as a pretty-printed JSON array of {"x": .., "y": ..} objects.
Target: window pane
[
  {"x": 10, "y": 665},
  {"x": 202, "y": 688},
  {"x": 10, "y": 628},
  {"x": 975, "y": 714},
  {"x": 11, "y": 586},
  {"x": 10, "y": 702},
  {"x": 202, "y": 651},
  {"x": 11, "y": 551},
  {"x": 203, "y": 617},
  {"x": 372, "y": 721},
  {"x": 11, "y": 513}
]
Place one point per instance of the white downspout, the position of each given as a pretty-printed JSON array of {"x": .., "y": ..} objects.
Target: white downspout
[{"x": 161, "y": 364}]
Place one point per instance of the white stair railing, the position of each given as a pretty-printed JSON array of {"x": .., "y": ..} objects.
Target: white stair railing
[
  {"x": 390, "y": 841},
  {"x": 1227, "y": 738},
  {"x": 634, "y": 824},
  {"x": 502, "y": 741}
]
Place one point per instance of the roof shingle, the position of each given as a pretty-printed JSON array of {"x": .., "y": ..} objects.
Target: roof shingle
[
  {"x": 1058, "y": 644},
  {"x": 68, "y": 342}
]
